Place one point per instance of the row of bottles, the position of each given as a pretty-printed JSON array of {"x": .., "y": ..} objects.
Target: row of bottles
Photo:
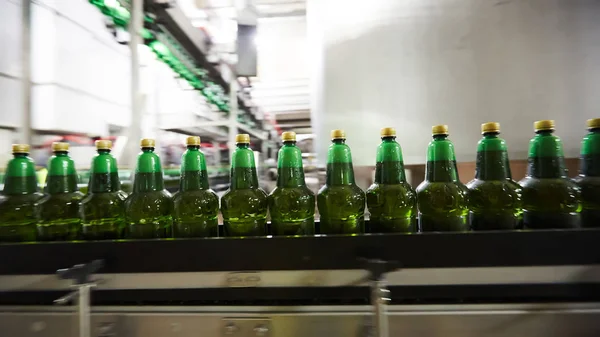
[{"x": 545, "y": 198}]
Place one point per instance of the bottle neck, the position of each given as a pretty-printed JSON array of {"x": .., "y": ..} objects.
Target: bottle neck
[
  {"x": 243, "y": 168},
  {"x": 546, "y": 158},
  {"x": 290, "y": 172},
  {"x": 441, "y": 161},
  {"x": 492, "y": 158},
  {"x": 148, "y": 174},
  {"x": 104, "y": 175},
  {"x": 20, "y": 176},
  {"x": 590, "y": 154},
  {"x": 339, "y": 164},
  {"x": 62, "y": 177},
  {"x": 389, "y": 168},
  {"x": 193, "y": 170}
]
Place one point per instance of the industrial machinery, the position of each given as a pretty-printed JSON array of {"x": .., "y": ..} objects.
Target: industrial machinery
[{"x": 521, "y": 283}]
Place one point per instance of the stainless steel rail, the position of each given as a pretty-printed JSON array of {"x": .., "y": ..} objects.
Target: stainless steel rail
[
  {"x": 532, "y": 320},
  {"x": 317, "y": 278}
]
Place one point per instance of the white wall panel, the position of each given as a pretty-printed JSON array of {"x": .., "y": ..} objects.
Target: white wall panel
[
  {"x": 80, "y": 74},
  {"x": 282, "y": 49},
  {"x": 10, "y": 37},
  {"x": 415, "y": 63},
  {"x": 10, "y": 102},
  {"x": 10, "y": 65}
]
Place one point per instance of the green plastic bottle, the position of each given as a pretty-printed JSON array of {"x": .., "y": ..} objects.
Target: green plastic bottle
[
  {"x": 17, "y": 203},
  {"x": 244, "y": 205},
  {"x": 291, "y": 203},
  {"x": 589, "y": 175},
  {"x": 494, "y": 198},
  {"x": 550, "y": 198},
  {"x": 58, "y": 211},
  {"x": 196, "y": 205},
  {"x": 341, "y": 202},
  {"x": 149, "y": 208},
  {"x": 103, "y": 208},
  {"x": 391, "y": 200},
  {"x": 442, "y": 198}
]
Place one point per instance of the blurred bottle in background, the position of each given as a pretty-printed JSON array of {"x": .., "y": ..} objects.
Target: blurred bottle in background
[
  {"x": 17, "y": 203},
  {"x": 58, "y": 211}
]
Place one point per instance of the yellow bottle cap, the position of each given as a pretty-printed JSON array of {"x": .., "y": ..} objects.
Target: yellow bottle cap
[
  {"x": 593, "y": 123},
  {"x": 543, "y": 125},
  {"x": 338, "y": 134},
  {"x": 388, "y": 132},
  {"x": 439, "y": 130},
  {"x": 20, "y": 148},
  {"x": 103, "y": 144},
  {"x": 490, "y": 127},
  {"x": 242, "y": 138},
  {"x": 288, "y": 136},
  {"x": 60, "y": 146},
  {"x": 147, "y": 142},
  {"x": 192, "y": 141}
]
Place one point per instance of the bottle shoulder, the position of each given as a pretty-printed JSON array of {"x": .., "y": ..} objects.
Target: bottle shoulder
[
  {"x": 20, "y": 199},
  {"x": 403, "y": 187},
  {"x": 440, "y": 186},
  {"x": 484, "y": 184},
  {"x": 257, "y": 193},
  {"x": 536, "y": 183},
  {"x": 587, "y": 180},
  {"x": 151, "y": 197},
  {"x": 71, "y": 196},
  {"x": 300, "y": 190},
  {"x": 341, "y": 191},
  {"x": 197, "y": 194},
  {"x": 116, "y": 197}
]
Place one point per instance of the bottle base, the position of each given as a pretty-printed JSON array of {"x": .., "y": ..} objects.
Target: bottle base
[
  {"x": 245, "y": 228},
  {"x": 101, "y": 232},
  {"x": 147, "y": 231},
  {"x": 59, "y": 231},
  {"x": 195, "y": 229},
  {"x": 293, "y": 228},
  {"x": 545, "y": 220},
  {"x": 483, "y": 222},
  {"x": 590, "y": 218},
  {"x": 398, "y": 225},
  {"x": 336, "y": 226},
  {"x": 440, "y": 223},
  {"x": 18, "y": 232}
]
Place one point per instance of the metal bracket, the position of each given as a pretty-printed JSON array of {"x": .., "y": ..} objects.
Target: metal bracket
[
  {"x": 82, "y": 282},
  {"x": 380, "y": 294}
]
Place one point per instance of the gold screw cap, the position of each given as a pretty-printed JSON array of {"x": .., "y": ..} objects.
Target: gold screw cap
[
  {"x": 388, "y": 132},
  {"x": 593, "y": 123},
  {"x": 147, "y": 142},
  {"x": 338, "y": 134},
  {"x": 490, "y": 127},
  {"x": 242, "y": 138},
  {"x": 192, "y": 141},
  {"x": 20, "y": 148},
  {"x": 543, "y": 125},
  {"x": 60, "y": 146},
  {"x": 103, "y": 144},
  {"x": 288, "y": 136},
  {"x": 439, "y": 130}
]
